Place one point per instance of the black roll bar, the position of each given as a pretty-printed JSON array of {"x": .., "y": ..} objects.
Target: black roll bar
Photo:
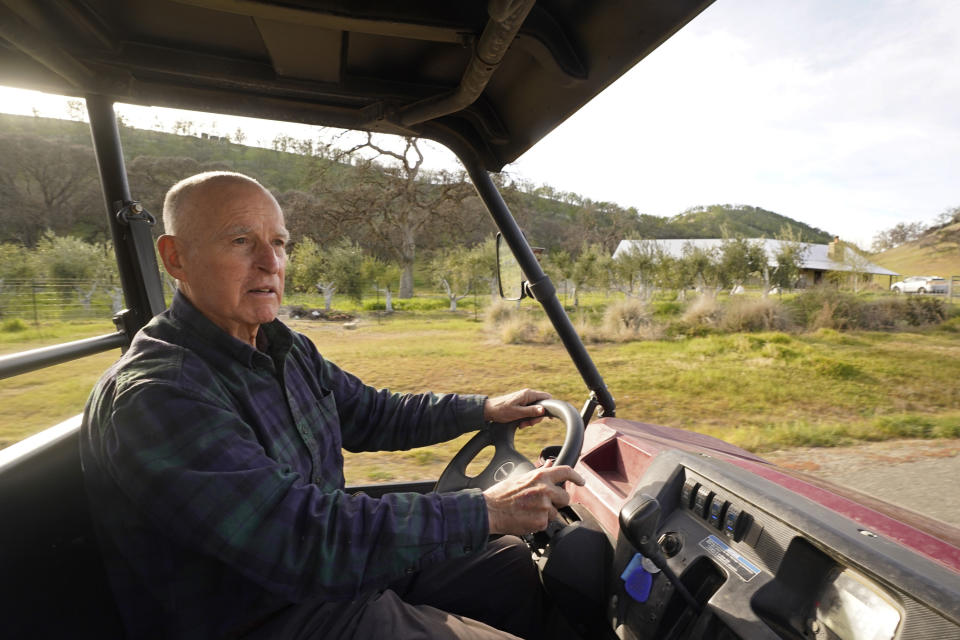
[
  {"x": 26, "y": 361},
  {"x": 129, "y": 223},
  {"x": 540, "y": 286}
]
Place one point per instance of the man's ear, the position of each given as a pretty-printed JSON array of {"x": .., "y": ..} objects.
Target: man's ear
[{"x": 172, "y": 255}]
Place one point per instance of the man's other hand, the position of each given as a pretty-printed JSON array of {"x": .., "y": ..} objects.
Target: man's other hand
[
  {"x": 515, "y": 406},
  {"x": 527, "y": 502}
]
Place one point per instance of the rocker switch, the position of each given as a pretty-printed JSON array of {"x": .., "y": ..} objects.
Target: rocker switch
[
  {"x": 715, "y": 517},
  {"x": 688, "y": 492},
  {"x": 702, "y": 502}
]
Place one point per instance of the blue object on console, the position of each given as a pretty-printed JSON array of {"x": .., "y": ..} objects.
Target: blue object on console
[{"x": 637, "y": 580}]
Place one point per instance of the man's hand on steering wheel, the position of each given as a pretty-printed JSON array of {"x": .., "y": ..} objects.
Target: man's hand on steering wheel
[
  {"x": 526, "y": 503},
  {"x": 516, "y": 406}
]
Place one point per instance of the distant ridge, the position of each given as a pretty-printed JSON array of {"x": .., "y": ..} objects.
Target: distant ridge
[{"x": 741, "y": 220}]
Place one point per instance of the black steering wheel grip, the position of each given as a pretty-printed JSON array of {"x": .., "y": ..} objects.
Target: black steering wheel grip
[{"x": 507, "y": 461}]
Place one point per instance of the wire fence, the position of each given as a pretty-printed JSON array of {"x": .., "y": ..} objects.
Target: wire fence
[{"x": 38, "y": 301}]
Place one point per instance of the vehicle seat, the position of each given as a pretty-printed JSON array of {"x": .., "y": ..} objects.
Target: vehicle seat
[{"x": 54, "y": 582}]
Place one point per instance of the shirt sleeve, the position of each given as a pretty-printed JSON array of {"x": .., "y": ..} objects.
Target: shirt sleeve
[
  {"x": 377, "y": 420},
  {"x": 196, "y": 471}
]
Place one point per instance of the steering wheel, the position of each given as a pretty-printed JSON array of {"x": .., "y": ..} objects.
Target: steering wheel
[{"x": 507, "y": 461}]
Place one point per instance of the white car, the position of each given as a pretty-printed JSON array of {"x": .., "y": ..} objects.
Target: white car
[{"x": 920, "y": 284}]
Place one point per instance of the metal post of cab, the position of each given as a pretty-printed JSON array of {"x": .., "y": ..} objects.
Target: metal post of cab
[
  {"x": 132, "y": 239},
  {"x": 541, "y": 287}
]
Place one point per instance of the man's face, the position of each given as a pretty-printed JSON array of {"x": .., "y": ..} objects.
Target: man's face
[{"x": 232, "y": 258}]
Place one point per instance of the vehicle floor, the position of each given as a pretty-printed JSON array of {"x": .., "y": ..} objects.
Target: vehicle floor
[{"x": 907, "y": 473}]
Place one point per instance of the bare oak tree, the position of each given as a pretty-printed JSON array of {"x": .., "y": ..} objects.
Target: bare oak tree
[{"x": 397, "y": 202}]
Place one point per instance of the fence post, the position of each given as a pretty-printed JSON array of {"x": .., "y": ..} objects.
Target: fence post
[{"x": 33, "y": 289}]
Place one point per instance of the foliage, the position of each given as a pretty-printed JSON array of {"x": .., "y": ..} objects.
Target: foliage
[
  {"x": 739, "y": 260},
  {"x": 13, "y": 325},
  {"x": 327, "y": 269},
  {"x": 383, "y": 276},
  {"x": 636, "y": 269},
  {"x": 592, "y": 266},
  {"x": 459, "y": 270},
  {"x": 70, "y": 258},
  {"x": 826, "y": 307},
  {"x": 17, "y": 262},
  {"x": 787, "y": 260}
]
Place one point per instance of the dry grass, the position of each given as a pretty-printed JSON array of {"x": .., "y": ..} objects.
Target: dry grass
[{"x": 762, "y": 390}]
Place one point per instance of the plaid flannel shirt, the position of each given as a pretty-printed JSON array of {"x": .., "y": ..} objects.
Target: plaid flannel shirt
[{"x": 215, "y": 478}]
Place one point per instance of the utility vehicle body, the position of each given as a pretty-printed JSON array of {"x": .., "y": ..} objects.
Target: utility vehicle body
[{"x": 735, "y": 547}]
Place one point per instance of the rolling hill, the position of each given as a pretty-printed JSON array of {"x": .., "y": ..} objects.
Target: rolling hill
[{"x": 935, "y": 253}]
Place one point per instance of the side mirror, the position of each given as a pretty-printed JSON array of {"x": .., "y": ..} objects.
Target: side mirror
[{"x": 509, "y": 274}]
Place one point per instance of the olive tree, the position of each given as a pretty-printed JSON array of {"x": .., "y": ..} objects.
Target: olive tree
[
  {"x": 327, "y": 269},
  {"x": 460, "y": 270},
  {"x": 635, "y": 270},
  {"x": 591, "y": 266},
  {"x": 383, "y": 276},
  {"x": 739, "y": 260},
  {"x": 788, "y": 260}
]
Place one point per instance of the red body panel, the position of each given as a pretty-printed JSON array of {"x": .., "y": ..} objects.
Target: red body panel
[{"x": 616, "y": 453}]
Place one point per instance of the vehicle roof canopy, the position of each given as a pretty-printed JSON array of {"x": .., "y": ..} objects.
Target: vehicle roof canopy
[{"x": 485, "y": 78}]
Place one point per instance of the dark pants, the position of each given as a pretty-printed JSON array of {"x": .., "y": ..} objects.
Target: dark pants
[{"x": 490, "y": 595}]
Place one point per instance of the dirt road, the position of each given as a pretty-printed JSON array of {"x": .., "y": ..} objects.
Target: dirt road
[{"x": 922, "y": 475}]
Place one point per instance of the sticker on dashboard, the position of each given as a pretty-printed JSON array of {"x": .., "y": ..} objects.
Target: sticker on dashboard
[{"x": 729, "y": 558}]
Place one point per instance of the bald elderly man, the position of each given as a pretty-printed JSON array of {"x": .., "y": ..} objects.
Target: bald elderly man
[{"x": 213, "y": 465}]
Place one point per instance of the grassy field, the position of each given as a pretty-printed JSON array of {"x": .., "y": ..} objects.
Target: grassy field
[{"x": 762, "y": 391}]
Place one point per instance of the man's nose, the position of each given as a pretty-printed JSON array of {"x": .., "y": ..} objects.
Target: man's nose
[{"x": 268, "y": 257}]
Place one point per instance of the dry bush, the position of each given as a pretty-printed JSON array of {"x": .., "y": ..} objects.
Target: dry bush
[
  {"x": 500, "y": 311},
  {"x": 704, "y": 310},
  {"x": 544, "y": 333},
  {"x": 627, "y": 318},
  {"x": 754, "y": 314},
  {"x": 589, "y": 332},
  {"x": 517, "y": 330}
]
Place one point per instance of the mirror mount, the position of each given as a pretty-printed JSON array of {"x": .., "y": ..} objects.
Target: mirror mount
[{"x": 510, "y": 277}]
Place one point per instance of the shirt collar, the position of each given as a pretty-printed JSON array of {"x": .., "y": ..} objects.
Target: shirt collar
[{"x": 279, "y": 338}]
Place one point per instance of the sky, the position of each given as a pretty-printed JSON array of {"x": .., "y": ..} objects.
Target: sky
[{"x": 843, "y": 114}]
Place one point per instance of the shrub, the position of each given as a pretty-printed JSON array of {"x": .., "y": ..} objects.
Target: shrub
[
  {"x": 825, "y": 308},
  {"x": 754, "y": 314},
  {"x": 626, "y": 317},
  {"x": 13, "y": 325},
  {"x": 517, "y": 330},
  {"x": 921, "y": 310},
  {"x": 877, "y": 315},
  {"x": 702, "y": 311},
  {"x": 500, "y": 311}
]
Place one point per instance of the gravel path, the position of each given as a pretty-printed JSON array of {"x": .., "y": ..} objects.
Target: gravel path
[{"x": 922, "y": 475}]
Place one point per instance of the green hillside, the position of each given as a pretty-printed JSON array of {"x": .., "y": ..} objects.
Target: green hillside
[
  {"x": 741, "y": 220},
  {"x": 935, "y": 253},
  {"x": 308, "y": 187}
]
